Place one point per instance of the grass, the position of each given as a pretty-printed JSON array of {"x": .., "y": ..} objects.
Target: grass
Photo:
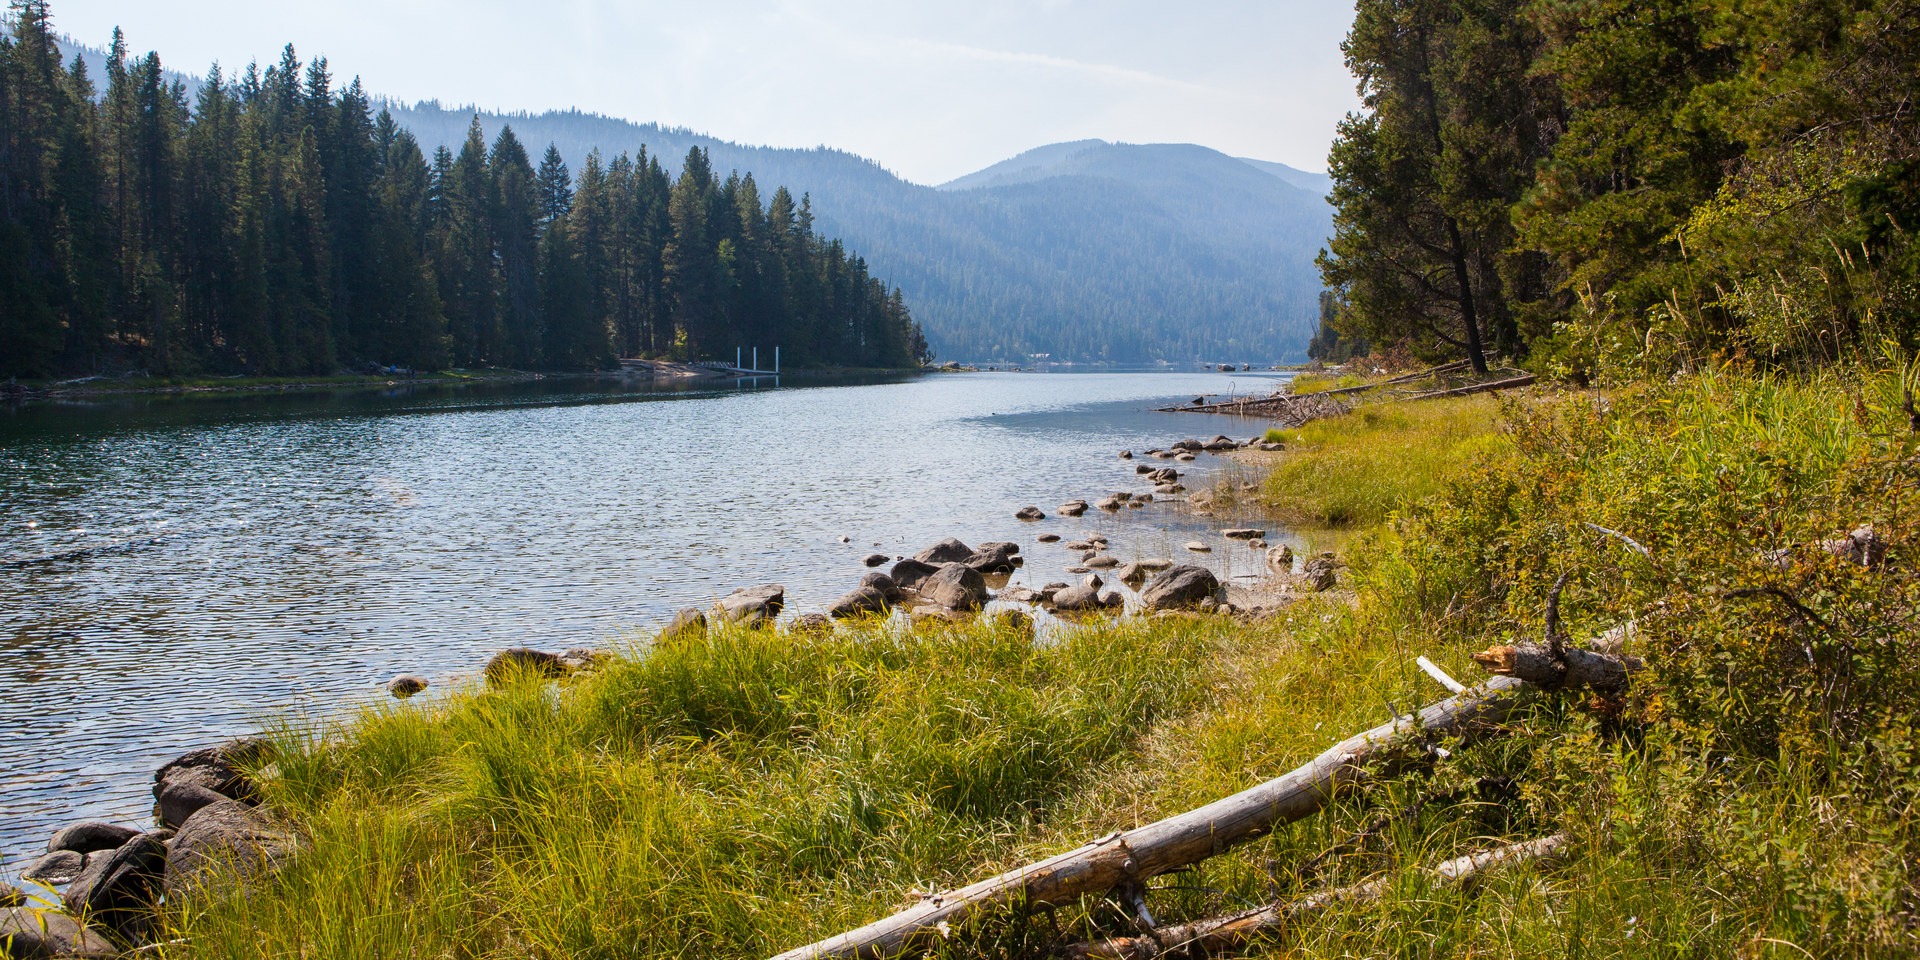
[
  {"x": 752, "y": 791},
  {"x": 1357, "y": 470},
  {"x": 1305, "y": 383}
]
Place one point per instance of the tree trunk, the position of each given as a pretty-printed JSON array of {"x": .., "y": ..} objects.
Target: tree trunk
[{"x": 1136, "y": 855}]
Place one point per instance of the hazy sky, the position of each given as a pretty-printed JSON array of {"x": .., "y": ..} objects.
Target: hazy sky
[{"x": 931, "y": 89}]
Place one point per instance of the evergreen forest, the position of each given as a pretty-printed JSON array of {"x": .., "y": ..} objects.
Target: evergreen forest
[
  {"x": 1630, "y": 185},
  {"x": 274, "y": 224}
]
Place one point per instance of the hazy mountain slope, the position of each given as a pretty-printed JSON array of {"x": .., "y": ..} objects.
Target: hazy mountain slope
[{"x": 1318, "y": 184}]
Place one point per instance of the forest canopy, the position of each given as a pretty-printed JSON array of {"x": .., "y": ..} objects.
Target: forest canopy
[
  {"x": 276, "y": 225},
  {"x": 1630, "y": 185}
]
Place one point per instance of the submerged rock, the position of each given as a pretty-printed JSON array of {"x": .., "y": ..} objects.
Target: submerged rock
[
  {"x": 1074, "y": 599},
  {"x": 875, "y": 559},
  {"x": 883, "y": 583},
  {"x": 1198, "y": 547},
  {"x": 1073, "y": 508},
  {"x": 1243, "y": 533},
  {"x": 862, "y": 601},
  {"x": 55, "y": 868},
  {"x": 1029, "y": 513},
  {"x": 908, "y": 574},
  {"x": 1049, "y": 538},
  {"x": 955, "y": 586}
]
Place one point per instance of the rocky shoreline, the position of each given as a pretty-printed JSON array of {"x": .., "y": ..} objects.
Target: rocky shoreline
[{"x": 101, "y": 884}]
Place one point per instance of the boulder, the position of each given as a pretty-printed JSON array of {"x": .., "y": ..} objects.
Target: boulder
[
  {"x": 753, "y": 605},
  {"x": 932, "y": 613},
  {"x": 1156, "y": 564},
  {"x": 29, "y": 934},
  {"x": 1110, "y": 503},
  {"x": 1132, "y": 573},
  {"x": 875, "y": 559},
  {"x": 1180, "y": 445},
  {"x": 180, "y": 799},
  {"x": 1243, "y": 533},
  {"x": 687, "y": 623},
  {"x": 55, "y": 868},
  {"x": 406, "y": 685},
  {"x": 218, "y": 769},
  {"x": 1185, "y": 458},
  {"x": 11, "y": 896},
  {"x": 118, "y": 889},
  {"x": 810, "y": 623},
  {"x": 90, "y": 835},
  {"x": 1112, "y": 599},
  {"x": 1198, "y": 547},
  {"x": 862, "y": 601},
  {"x": 246, "y": 840},
  {"x": 883, "y": 583},
  {"x": 1165, "y": 454},
  {"x": 1170, "y": 489},
  {"x": 1271, "y": 447},
  {"x": 1073, "y": 508},
  {"x": 1081, "y": 545},
  {"x": 1222, "y": 446},
  {"x": 1126, "y": 454},
  {"x": 1257, "y": 544},
  {"x": 522, "y": 661},
  {"x": 1012, "y": 620},
  {"x": 1049, "y": 538},
  {"x": 1104, "y": 561},
  {"x": 1860, "y": 546},
  {"x": 949, "y": 550},
  {"x": 1020, "y": 595},
  {"x": 955, "y": 586},
  {"x": 581, "y": 658},
  {"x": 1093, "y": 581},
  {"x": 1143, "y": 468},
  {"x": 1180, "y": 587},
  {"x": 1074, "y": 599},
  {"x": 1029, "y": 513},
  {"x": 1319, "y": 574},
  {"x": 1142, "y": 499},
  {"x": 908, "y": 574},
  {"x": 1280, "y": 559}
]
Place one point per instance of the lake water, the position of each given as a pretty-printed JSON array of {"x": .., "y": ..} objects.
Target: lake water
[{"x": 297, "y": 551}]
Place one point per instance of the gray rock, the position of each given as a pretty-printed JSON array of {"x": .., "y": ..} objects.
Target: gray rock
[
  {"x": 1020, "y": 595},
  {"x": 1049, "y": 538},
  {"x": 1029, "y": 513},
  {"x": 1093, "y": 581},
  {"x": 1186, "y": 458},
  {"x": 1073, "y": 508},
  {"x": 1188, "y": 445},
  {"x": 220, "y": 769},
  {"x": 934, "y": 613},
  {"x": 181, "y": 799},
  {"x": 909, "y": 574},
  {"x": 883, "y": 583},
  {"x": 753, "y": 605},
  {"x": 91, "y": 835},
  {"x": 1007, "y": 547},
  {"x": 1243, "y": 533},
  {"x": 1164, "y": 475},
  {"x": 1130, "y": 573},
  {"x": 406, "y": 685},
  {"x": 1112, "y": 599},
  {"x": 1143, "y": 468},
  {"x": 862, "y": 601},
  {"x": 955, "y": 586},
  {"x": 1198, "y": 547},
  {"x": 810, "y": 623},
  {"x": 1078, "y": 569},
  {"x": 1156, "y": 564},
  {"x": 1280, "y": 559},
  {"x": 1082, "y": 545},
  {"x": 1141, "y": 499},
  {"x": 118, "y": 890},
  {"x": 11, "y": 896},
  {"x": 1126, "y": 454},
  {"x": 1104, "y": 561},
  {"x": 55, "y": 868},
  {"x": 1074, "y": 599},
  {"x": 581, "y": 658},
  {"x": 245, "y": 840},
  {"x": 522, "y": 661},
  {"x": 875, "y": 559},
  {"x": 1222, "y": 446},
  {"x": 686, "y": 623},
  {"x": 1111, "y": 503},
  {"x": 1320, "y": 575},
  {"x": 949, "y": 550},
  {"x": 29, "y": 934},
  {"x": 1180, "y": 587},
  {"x": 1271, "y": 447},
  {"x": 996, "y": 557}
]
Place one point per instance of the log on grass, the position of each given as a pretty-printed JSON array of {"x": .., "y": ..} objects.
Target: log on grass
[
  {"x": 1508, "y": 383},
  {"x": 1569, "y": 668},
  {"x": 1133, "y": 856},
  {"x": 1216, "y": 934}
]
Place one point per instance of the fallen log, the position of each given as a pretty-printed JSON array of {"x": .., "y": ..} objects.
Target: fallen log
[
  {"x": 1133, "y": 856},
  {"x": 1210, "y": 936},
  {"x": 1510, "y": 382}
]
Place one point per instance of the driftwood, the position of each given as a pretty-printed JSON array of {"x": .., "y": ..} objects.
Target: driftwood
[
  {"x": 1510, "y": 382},
  {"x": 1206, "y": 937},
  {"x": 1129, "y": 858}
]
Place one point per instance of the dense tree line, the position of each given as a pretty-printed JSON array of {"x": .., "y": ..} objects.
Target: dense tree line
[
  {"x": 277, "y": 225},
  {"x": 1633, "y": 182}
]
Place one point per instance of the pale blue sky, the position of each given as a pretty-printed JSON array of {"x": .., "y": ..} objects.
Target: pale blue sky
[{"x": 931, "y": 90}]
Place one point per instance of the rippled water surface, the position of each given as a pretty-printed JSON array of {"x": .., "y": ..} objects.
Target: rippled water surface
[{"x": 208, "y": 562}]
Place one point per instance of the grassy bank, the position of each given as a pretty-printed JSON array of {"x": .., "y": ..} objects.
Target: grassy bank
[{"x": 751, "y": 791}]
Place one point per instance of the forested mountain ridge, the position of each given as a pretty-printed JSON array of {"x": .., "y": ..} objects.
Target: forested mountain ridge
[
  {"x": 1092, "y": 251},
  {"x": 275, "y": 224}
]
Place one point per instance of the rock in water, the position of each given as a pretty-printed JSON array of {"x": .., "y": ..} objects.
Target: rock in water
[
  {"x": 875, "y": 559},
  {"x": 91, "y": 835},
  {"x": 1244, "y": 533},
  {"x": 29, "y": 934},
  {"x": 246, "y": 839},
  {"x": 181, "y": 799},
  {"x": 1126, "y": 454},
  {"x": 1179, "y": 588},
  {"x": 218, "y": 769},
  {"x": 1049, "y": 538},
  {"x": 522, "y": 661},
  {"x": 1102, "y": 562},
  {"x": 118, "y": 889},
  {"x": 811, "y": 623},
  {"x": 1198, "y": 547},
  {"x": 883, "y": 583},
  {"x": 949, "y": 550},
  {"x": 955, "y": 586},
  {"x": 406, "y": 685},
  {"x": 10, "y": 896},
  {"x": 863, "y": 600},
  {"x": 1073, "y": 508},
  {"x": 686, "y": 623},
  {"x": 1131, "y": 573},
  {"x": 1280, "y": 559},
  {"x": 55, "y": 868},
  {"x": 1029, "y": 513},
  {"x": 909, "y": 573},
  {"x": 753, "y": 605},
  {"x": 1076, "y": 599}
]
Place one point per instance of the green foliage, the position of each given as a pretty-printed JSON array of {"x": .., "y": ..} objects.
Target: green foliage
[
  {"x": 278, "y": 227},
  {"x": 1357, "y": 470}
]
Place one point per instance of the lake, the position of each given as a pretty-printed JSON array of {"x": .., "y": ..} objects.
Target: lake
[{"x": 221, "y": 560}]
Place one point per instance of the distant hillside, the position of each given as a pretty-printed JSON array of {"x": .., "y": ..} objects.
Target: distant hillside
[{"x": 1085, "y": 251}]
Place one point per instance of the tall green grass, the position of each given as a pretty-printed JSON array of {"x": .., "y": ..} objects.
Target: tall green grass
[{"x": 1357, "y": 470}]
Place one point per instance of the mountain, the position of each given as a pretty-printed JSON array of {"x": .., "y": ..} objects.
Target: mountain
[{"x": 1087, "y": 250}]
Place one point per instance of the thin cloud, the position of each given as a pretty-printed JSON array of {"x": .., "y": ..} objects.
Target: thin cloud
[{"x": 1103, "y": 71}]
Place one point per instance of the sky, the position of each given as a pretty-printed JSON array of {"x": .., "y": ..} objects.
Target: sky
[{"x": 931, "y": 89}]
